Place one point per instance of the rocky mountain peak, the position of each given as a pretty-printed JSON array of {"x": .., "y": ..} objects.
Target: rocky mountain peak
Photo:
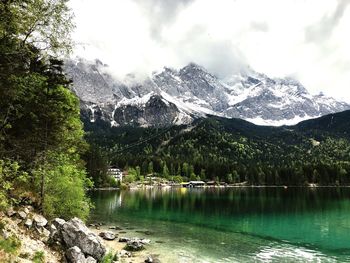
[{"x": 178, "y": 96}]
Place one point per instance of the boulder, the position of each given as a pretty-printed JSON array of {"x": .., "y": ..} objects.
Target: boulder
[
  {"x": 124, "y": 239},
  {"x": 28, "y": 223},
  {"x": 107, "y": 235},
  {"x": 43, "y": 234},
  {"x": 52, "y": 229},
  {"x": 149, "y": 259},
  {"x": 145, "y": 241},
  {"x": 152, "y": 259},
  {"x": 75, "y": 233},
  {"x": 90, "y": 260},
  {"x": 134, "y": 245},
  {"x": 58, "y": 223},
  {"x": 39, "y": 221},
  {"x": 22, "y": 214},
  {"x": 124, "y": 254},
  {"x": 74, "y": 255},
  {"x": 55, "y": 228},
  {"x": 10, "y": 212}
]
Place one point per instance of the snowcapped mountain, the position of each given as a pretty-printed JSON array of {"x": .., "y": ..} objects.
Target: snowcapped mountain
[{"x": 179, "y": 96}]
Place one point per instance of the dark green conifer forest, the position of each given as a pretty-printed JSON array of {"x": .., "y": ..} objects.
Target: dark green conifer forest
[{"x": 233, "y": 151}]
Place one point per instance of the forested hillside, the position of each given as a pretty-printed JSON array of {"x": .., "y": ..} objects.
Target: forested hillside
[
  {"x": 41, "y": 135},
  {"x": 231, "y": 150}
]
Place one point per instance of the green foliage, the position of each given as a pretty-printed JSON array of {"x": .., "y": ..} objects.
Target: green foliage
[
  {"x": 132, "y": 175},
  {"x": 10, "y": 245},
  {"x": 40, "y": 126},
  {"x": 12, "y": 182},
  {"x": 97, "y": 166},
  {"x": 177, "y": 179},
  {"x": 109, "y": 258},
  {"x": 64, "y": 187},
  {"x": 150, "y": 168},
  {"x": 165, "y": 172},
  {"x": 39, "y": 257},
  {"x": 229, "y": 178}
]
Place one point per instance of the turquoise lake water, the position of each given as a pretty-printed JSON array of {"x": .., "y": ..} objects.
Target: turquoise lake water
[{"x": 234, "y": 224}]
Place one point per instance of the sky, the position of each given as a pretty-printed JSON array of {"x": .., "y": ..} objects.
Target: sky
[{"x": 305, "y": 39}]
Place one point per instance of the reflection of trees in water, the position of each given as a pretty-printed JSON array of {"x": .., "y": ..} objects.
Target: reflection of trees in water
[
  {"x": 233, "y": 201},
  {"x": 108, "y": 201},
  {"x": 220, "y": 206},
  {"x": 310, "y": 214}
]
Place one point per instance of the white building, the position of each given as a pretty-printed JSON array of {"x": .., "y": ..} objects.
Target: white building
[{"x": 115, "y": 172}]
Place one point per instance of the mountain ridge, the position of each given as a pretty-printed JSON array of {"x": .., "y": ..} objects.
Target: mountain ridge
[{"x": 180, "y": 96}]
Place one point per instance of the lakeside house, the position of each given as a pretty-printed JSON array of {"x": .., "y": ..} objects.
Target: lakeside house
[
  {"x": 194, "y": 184},
  {"x": 115, "y": 173}
]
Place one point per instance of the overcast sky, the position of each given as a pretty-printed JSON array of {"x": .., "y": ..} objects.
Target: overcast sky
[{"x": 305, "y": 39}]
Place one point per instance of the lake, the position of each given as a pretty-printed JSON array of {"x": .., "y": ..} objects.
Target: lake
[{"x": 233, "y": 224}]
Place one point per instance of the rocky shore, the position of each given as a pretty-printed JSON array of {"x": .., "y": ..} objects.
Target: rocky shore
[{"x": 26, "y": 236}]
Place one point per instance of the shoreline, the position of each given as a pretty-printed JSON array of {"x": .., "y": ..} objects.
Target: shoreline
[
  {"x": 218, "y": 187},
  {"x": 149, "y": 251}
]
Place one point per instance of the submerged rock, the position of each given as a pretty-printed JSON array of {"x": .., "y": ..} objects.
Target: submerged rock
[
  {"x": 152, "y": 259},
  {"x": 124, "y": 239},
  {"x": 124, "y": 254},
  {"x": 134, "y": 245},
  {"x": 149, "y": 259},
  {"x": 107, "y": 235}
]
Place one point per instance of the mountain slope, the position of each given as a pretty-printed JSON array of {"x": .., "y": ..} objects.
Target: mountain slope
[
  {"x": 312, "y": 151},
  {"x": 192, "y": 92}
]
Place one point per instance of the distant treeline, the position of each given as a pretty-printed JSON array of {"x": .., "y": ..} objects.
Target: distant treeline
[{"x": 231, "y": 151}]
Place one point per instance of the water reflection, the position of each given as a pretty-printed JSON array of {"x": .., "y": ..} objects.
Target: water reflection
[{"x": 314, "y": 219}]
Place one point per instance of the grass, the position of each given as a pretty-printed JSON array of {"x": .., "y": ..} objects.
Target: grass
[
  {"x": 109, "y": 258},
  {"x": 39, "y": 257},
  {"x": 10, "y": 245}
]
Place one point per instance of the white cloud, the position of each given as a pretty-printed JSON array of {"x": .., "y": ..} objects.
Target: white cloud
[{"x": 307, "y": 39}]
